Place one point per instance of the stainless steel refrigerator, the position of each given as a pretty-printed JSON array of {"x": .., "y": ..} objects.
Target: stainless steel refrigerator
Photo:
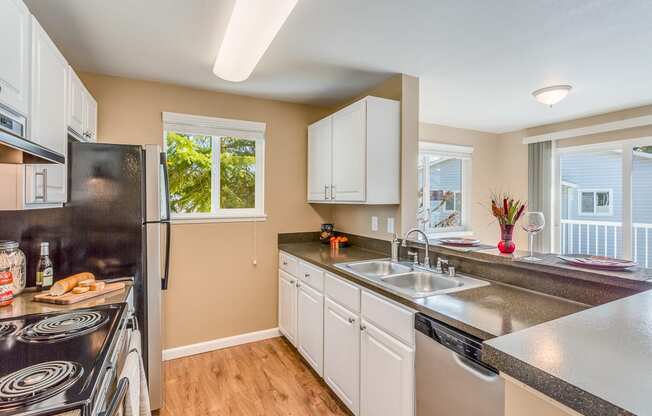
[{"x": 119, "y": 207}]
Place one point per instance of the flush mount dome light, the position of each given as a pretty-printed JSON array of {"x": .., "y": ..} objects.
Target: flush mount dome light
[
  {"x": 250, "y": 31},
  {"x": 552, "y": 95}
]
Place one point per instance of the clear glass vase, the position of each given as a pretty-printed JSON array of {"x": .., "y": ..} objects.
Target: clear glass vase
[{"x": 12, "y": 258}]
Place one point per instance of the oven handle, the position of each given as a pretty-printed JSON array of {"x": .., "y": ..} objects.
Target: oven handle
[{"x": 118, "y": 398}]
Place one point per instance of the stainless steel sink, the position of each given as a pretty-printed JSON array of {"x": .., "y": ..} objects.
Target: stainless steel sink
[
  {"x": 377, "y": 268},
  {"x": 408, "y": 279},
  {"x": 421, "y": 283}
]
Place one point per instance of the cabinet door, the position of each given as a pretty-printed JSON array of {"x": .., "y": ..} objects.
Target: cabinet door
[
  {"x": 310, "y": 326},
  {"x": 45, "y": 184},
  {"x": 287, "y": 306},
  {"x": 76, "y": 110},
  {"x": 90, "y": 117},
  {"x": 49, "y": 92},
  {"x": 319, "y": 160},
  {"x": 349, "y": 153},
  {"x": 386, "y": 374},
  {"x": 342, "y": 353},
  {"x": 14, "y": 55}
]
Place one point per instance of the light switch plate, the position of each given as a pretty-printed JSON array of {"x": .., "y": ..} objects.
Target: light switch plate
[
  {"x": 374, "y": 223},
  {"x": 390, "y": 225}
]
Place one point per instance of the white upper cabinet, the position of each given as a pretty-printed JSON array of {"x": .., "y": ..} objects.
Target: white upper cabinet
[
  {"x": 349, "y": 153},
  {"x": 320, "y": 160},
  {"x": 76, "y": 108},
  {"x": 49, "y": 118},
  {"x": 15, "y": 55},
  {"x": 82, "y": 109},
  {"x": 90, "y": 117},
  {"x": 354, "y": 154}
]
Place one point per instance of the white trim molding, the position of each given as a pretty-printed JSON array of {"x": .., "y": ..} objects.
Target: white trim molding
[
  {"x": 213, "y": 126},
  {"x": 593, "y": 129},
  {"x": 220, "y": 343}
]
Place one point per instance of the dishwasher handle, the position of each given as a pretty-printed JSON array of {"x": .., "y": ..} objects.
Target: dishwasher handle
[{"x": 474, "y": 368}]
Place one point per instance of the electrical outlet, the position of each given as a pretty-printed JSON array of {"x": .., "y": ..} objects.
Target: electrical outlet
[
  {"x": 374, "y": 223},
  {"x": 390, "y": 225}
]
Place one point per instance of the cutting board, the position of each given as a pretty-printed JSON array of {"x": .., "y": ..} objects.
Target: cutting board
[{"x": 70, "y": 298}]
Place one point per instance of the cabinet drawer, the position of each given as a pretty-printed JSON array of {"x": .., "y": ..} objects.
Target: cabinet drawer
[
  {"x": 311, "y": 275},
  {"x": 343, "y": 292},
  {"x": 287, "y": 263},
  {"x": 396, "y": 320}
]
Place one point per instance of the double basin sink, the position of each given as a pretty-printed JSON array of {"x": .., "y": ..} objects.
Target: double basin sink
[{"x": 409, "y": 279}]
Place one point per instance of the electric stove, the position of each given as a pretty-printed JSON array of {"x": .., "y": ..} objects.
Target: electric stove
[{"x": 53, "y": 363}]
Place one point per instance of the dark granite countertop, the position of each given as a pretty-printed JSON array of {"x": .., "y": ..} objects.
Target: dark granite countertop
[
  {"x": 596, "y": 362},
  {"x": 485, "y": 312}
]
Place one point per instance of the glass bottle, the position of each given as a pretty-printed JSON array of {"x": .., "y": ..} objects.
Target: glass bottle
[
  {"x": 44, "y": 269},
  {"x": 13, "y": 258}
]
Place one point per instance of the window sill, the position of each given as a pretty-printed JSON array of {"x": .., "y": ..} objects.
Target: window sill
[
  {"x": 208, "y": 220},
  {"x": 435, "y": 236}
]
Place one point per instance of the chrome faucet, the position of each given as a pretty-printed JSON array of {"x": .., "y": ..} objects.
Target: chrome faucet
[{"x": 426, "y": 258}]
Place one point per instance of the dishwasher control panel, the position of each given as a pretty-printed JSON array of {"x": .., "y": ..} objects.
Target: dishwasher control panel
[{"x": 452, "y": 339}]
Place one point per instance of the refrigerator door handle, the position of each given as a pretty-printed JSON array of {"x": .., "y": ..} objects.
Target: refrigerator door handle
[
  {"x": 166, "y": 185},
  {"x": 166, "y": 272}
]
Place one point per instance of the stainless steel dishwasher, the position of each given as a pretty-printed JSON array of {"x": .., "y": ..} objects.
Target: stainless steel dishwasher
[{"x": 451, "y": 380}]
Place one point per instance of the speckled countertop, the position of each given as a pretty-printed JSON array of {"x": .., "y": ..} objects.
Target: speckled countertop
[
  {"x": 597, "y": 362},
  {"x": 24, "y": 305},
  {"x": 485, "y": 312}
]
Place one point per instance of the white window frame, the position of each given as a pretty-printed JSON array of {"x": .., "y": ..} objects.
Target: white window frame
[
  {"x": 595, "y": 193},
  {"x": 626, "y": 148},
  {"x": 218, "y": 128},
  {"x": 465, "y": 153}
]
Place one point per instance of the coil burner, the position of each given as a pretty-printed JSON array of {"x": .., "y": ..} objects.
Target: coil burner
[
  {"x": 38, "y": 382},
  {"x": 7, "y": 329},
  {"x": 62, "y": 327}
]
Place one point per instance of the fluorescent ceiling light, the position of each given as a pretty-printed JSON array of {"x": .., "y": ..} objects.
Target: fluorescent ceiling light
[
  {"x": 253, "y": 26},
  {"x": 552, "y": 95}
]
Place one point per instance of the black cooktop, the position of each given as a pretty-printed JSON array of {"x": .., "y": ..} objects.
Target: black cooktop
[{"x": 53, "y": 362}]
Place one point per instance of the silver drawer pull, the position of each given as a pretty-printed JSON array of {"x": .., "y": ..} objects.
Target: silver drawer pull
[
  {"x": 351, "y": 320},
  {"x": 362, "y": 327},
  {"x": 306, "y": 275}
]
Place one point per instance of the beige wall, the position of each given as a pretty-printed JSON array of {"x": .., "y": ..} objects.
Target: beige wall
[
  {"x": 10, "y": 184},
  {"x": 485, "y": 172},
  {"x": 356, "y": 219},
  {"x": 215, "y": 289}
]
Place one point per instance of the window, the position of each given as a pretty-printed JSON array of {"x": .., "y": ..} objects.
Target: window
[
  {"x": 444, "y": 188},
  {"x": 592, "y": 202},
  {"x": 604, "y": 204},
  {"x": 215, "y": 166}
]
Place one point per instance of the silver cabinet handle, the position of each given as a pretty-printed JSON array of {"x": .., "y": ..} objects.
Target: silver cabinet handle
[
  {"x": 351, "y": 320},
  {"x": 292, "y": 282},
  {"x": 285, "y": 263},
  {"x": 298, "y": 284},
  {"x": 362, "y": 327},
  {"x": 332, "y": 191},
  {"x": 325, "y": 192},
  {"x": 44, "y": 185}
]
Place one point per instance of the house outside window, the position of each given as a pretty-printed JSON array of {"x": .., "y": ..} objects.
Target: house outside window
[
  {"x": 444, "y": 189},
  {"x": 595, "y": 202},
  {"x": 216, "y": 168}
]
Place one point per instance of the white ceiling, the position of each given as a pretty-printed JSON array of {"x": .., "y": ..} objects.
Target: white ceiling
[{"x": 478, "y": 61}]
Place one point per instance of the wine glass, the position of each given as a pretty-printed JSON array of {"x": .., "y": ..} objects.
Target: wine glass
[{"x": 533, "y": 223}]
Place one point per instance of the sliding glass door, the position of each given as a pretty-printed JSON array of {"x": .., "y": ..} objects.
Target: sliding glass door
[{"x": 604, "y": 200}]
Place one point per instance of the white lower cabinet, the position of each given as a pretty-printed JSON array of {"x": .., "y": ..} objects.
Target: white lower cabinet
[
  {"x": 310, "y": 326},
  {"x": 364, "y": 350},
  {"x": 386, "y": 374},
  {"x": 287, "y": 306},
  {"x": 342, "y": 353}
]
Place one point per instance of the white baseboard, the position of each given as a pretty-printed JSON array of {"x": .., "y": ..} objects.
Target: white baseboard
[{"x": 216, "y": 344}]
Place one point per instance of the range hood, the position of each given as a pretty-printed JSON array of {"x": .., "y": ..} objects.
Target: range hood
[{"x": 16, "y": 150}]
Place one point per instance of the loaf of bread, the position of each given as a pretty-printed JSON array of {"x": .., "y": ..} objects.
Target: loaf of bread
[
  {"x": 95, "y": 286},
  {"x": 64, "y": 286},
  {"x": 80, "y": 289},
  {"x": 86, "y": 283}
]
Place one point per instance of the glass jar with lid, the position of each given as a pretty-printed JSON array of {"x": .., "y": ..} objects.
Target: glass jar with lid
[{"x": 13, "y": 259}]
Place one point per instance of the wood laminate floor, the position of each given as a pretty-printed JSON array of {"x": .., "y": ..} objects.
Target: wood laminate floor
[{"x": 262, "y": 378}]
